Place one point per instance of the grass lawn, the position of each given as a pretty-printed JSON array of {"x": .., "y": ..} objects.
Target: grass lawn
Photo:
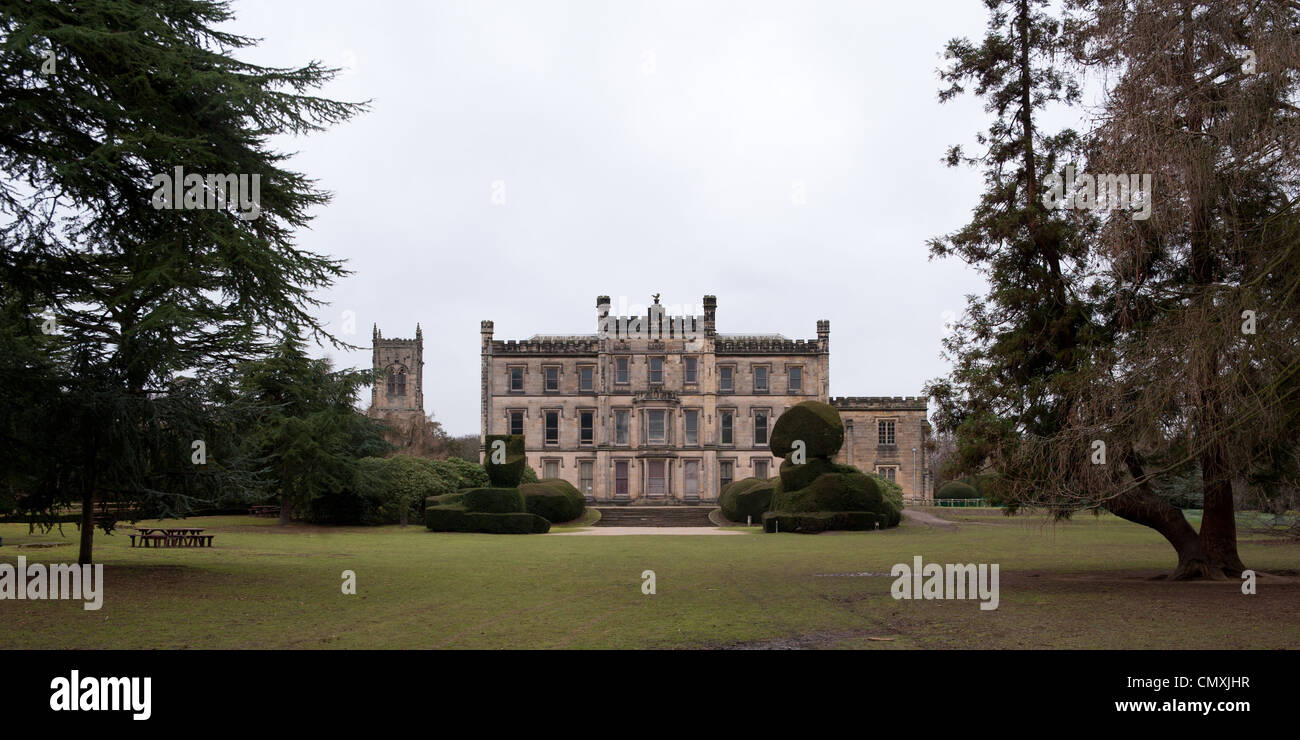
[{"x": 1087, "y": 583}]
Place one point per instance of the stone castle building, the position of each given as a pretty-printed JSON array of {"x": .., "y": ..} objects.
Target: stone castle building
[{"x": 661, "y": 409}]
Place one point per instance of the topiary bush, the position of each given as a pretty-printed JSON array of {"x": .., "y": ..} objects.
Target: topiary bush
[
  {"x": 823, "y": 521},
  {"x": 956, "y": 489},
  {"x": 817, "y": 424},
  {"x": 483, "y": 509},
  {"x": 553, "y": 499},
  {"x": 509, "y": 472},
  {"x": 839, "y": 492},
  {"x": 745, "y": 498}
]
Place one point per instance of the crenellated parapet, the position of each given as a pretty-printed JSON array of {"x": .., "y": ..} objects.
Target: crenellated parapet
[
  {"x": 578, "y": 347},
  {"x": 882, "y": 403},
  {"x": 763, "y": 346}
]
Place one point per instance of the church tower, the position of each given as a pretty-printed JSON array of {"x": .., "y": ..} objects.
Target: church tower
[{"x": 399, "y": 376}]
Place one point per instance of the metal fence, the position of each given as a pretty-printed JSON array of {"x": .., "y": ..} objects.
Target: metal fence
[{"x": 943, "y": 502}]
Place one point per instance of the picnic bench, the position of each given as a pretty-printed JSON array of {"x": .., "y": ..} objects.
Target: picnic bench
[
  {"x": 171, "y": 537},
  {"x": 264, "y": 510}
]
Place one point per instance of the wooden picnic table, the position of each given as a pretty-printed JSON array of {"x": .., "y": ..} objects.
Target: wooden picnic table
[{"x": 171, "y": 537}]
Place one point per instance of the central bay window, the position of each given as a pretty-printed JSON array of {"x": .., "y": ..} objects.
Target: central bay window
[
  {"x": 552, "y": 427},
  {"x": 656, "y": 478},
  {"x": 620, "y": 428},
  {"x": 656, "y": 371},
  {"x": 586, "y": 427},
  {"x": 725, "y": 424},
  {"x": 760, "y": 427},
  {"x": 656, "y": 432},
  {"x": 692, "y": 428}
]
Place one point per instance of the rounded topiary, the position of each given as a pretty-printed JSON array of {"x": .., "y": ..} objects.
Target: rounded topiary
[
  {"x": 746, "y": 498},
  {"x": 816, "y": 423},
  {"x": 956, "y": 489},
  {"x": 554, "y": 499},
  {"x": 835, "y": 492},
  {"x": 505, "y": 474},
  {"x": 794, "y": 477}
]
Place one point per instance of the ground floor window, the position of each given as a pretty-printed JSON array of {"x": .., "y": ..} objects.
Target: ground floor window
[
  {"x": 726, "y": 474},
  {"x": 886, "y": 471},
  {"x": 620, "y": 478},
  {"x": 691, "y": 478},
  {"x": 551, "y": 469},
  {"x": 584, "y": 477},
  {"x": 656, "y": 478}
]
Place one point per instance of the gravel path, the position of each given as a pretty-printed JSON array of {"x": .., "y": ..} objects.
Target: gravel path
[{"x": 929, "y": 520}]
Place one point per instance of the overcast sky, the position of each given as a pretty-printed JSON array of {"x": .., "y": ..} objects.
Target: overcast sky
[{"x": 639, "y": 147}]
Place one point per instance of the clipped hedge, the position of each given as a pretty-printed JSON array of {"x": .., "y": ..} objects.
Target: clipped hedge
[
  {"x": 817, "y": 424},
  {"x": 508, "y": 473},
  {"x": 956, "y": 489},
  {"x": 822, "y": 521},
  {"x": 493, "y": 500},
  {"x": 553, "y": 499},
  {"x": 794, "y": 477},
  {"x": 457, "y": 519},
  {"x": 745, "y": 498}
]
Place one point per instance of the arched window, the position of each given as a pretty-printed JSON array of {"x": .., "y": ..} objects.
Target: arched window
[{"x": 396, "y": 380}]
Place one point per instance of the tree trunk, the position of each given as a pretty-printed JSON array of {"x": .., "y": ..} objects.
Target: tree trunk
[
  {"x": 85, "y": 557},
  {"x": 1218, "y": 518},
  {"x": 1141, "y": 506},
  {"x": 286, "y": 508}
]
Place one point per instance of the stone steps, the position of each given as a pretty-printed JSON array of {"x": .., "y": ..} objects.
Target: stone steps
[{"x": 655, "y": 516}]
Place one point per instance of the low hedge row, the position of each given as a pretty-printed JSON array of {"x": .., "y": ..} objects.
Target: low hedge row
[
  {"x": 822, "y": 521},
  {"x": 457, "y": 519}
]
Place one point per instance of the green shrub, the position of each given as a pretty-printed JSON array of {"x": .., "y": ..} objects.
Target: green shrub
[
  {"x": 553, "y": 499},
  {"x": 794, "y": 477},
  {"x": 462, "y": 473},
  {"x": 956, "y": 489},
  {"x": 823, "y": 521},
  {"x": 456, "y": 519},
  {"x": 839, "y": 492},
  {"x": 508, "y": 473},
  {"x": 817, "y": 424},
  {"x": 493, "y": 500},
  {"x": 745, "y": 498},
  {"x": 992, "y": 488},
  {"x": 892, "y": 492}
]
